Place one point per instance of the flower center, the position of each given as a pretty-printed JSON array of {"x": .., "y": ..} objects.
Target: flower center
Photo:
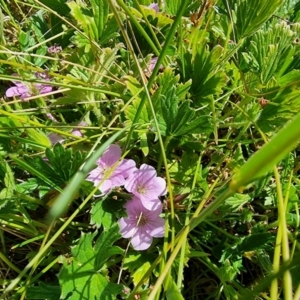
[
  {"x": 141, "y": 220},
  {"x": 141, "y": 190}
]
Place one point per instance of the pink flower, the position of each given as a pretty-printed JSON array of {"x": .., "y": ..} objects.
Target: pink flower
[
  {"x": 104, "y": 173},
  {"x": 144, "y": 184},
  {"x": 26, "y": 90},
  {"x": 51, "y": 117},
  {"x": 151, "y": 65},
  {"x": 141, "y": 225},
  {"x": 55, "y": 138},
  {"x": 55, "y": 49},
  {"x": 154, "y": 6},
  {"x": 77, "y": 131}
]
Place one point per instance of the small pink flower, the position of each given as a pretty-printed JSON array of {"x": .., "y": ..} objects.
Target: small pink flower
[
  {"x": 141, "y": 225},
  {"x": 55, "y": 138},
  {"x": 154, "y": 6},
  {"x": 20, "y": 89},
  {"x": 105, "y": 164},
  {"x": 26, "y": 90},
  {"x": 51, "y": 117},
  {"x": 77, "y": 131},
  {"x": 55, "y": 49},
  {"x": 152, "y": 63},
  {"x": 144, "y": 184}
]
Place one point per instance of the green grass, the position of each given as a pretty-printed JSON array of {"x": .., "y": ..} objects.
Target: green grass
[{"x": 217, "y": 117}]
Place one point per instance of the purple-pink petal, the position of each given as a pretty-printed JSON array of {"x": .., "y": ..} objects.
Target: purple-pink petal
[
  {"x": 95, "y": 176},
  {"x": 152, "y": 64},
  {"x": 154, "y": 6},
  {"x": 127, "y": 167},
  {"x": 23, "y": 90},
  {"x": 18, "y": 83},
  {"x": 12, "y": 92},
  {"x": 77, "y": 132},
  {"x": 111, "y": 155},
  {"x": 106, "y": 186},
  {"x": 44, "y": 89},
  {"x": 55, "y": 138},
  {"x": 154, "y": 188},
  {"x": 134, "y": 207},
  {"x": 161, "y": 187},
  {"x": 127, "y": 228},
  {"x": 117, "y": 180},
  {"x": 156, "y": 228},
  {"x": 147, "y": 172},
  {"x": 151, "y": 204},
  {"x": 141, "y": 240},
  {"x": 51, "y": 117},
  {"x": 152, "y": 215}
]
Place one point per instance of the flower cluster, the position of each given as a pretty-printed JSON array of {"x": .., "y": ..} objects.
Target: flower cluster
[
  {"x": 26, "y": 90},
  {"x": 55, "y": 49},
  {"x": 143, "y": 221}
]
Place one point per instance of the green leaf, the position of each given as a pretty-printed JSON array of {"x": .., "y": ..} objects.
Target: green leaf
[
  {"x": 9, "y": 180},
  {"x": 207, "y": 77},
  {"x": 167, "y": 81},
  {"x": 183, "y": 117},
  {"x": 230, "y": 292},
  {"x": 138, "y": 265},
  {"x": 100, "y": 216},
  {"x": 61, "y": 166},
  {"x": 172, "y": 6},
  {"x": 100, "y": 10},
  {"x": 144, "y": 143},
  {"x": 252, "y": 14},
  {"x": 228, "y": 271},
  {"x": 169, "y": 109},
  {"x": 43, "y": 291},
  {"x": 172, "y": 292},
  {"x": 284, "y": 102},
  {"x": 61, "y": 161},
  {"x": 199, "y": 124},
  {"x": 270, "y": 52},
  {"x": 81, "y": 278},
  {"x": 268, "y": 156},
  {"x": 92, "y": 17},
  {"x": 130, "y": 112},
  {"x": 180, "y": 120},
  {"x": 81, "y": 282},
  {"x": 83, "y": 251},
  {"x": 104, "y": 248},
  {"x": 38, "y": 137},
  {"x": 59, "y": 6},
  {"x": 237, "y": 201},
  {"x": 182, "y": 89},
  {"x": 255, "y": 241},
  {"x": 110, "y": 31},
  {"x": 38, "y": 168},
  {"x": 85, "y": 18},
  {"x": 27, "y": 141}
]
